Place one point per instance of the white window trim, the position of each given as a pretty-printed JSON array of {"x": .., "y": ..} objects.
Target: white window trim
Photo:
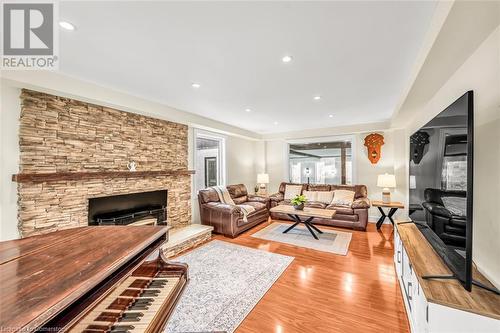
[
  {"x": 351, "y": 138},
  {"x": 199, "y": 133}
]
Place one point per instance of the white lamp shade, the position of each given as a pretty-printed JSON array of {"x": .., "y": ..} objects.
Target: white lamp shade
[
  {"x": 386, "y": 180},
  {"x": 263, "y": 178},
  {"x": 413, "y": 182}
]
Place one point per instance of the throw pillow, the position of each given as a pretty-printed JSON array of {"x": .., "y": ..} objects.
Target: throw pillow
[
  {"x": 291, "y": 191},
  {"x": 324, "y": 196},
  {"x": 343, "y": 198},
  {"x": 311, "y": 195},
  {"x": 456, "y": 205}
]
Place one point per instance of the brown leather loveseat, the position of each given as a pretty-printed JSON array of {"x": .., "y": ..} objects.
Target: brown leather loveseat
[
  {"x": 355, "y": 216},
  {"x": 228, "y": 219}
]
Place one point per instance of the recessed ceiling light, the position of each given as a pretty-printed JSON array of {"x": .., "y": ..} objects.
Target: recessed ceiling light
[
  {"x": 66, "y": 25},
  {"x": 275, "y": 123},
  {"x": 195, "y": 85},
  {"x": 330, "y": 116},
  {"x": 317, "y": 97},
  {"x": 286, "y": 58},
  {"x": 248, "y": 110}
]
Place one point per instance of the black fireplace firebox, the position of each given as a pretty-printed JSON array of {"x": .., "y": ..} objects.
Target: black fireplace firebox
[{"x": 129, "y": 208}]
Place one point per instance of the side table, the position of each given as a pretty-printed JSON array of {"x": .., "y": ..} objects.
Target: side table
[{"x": 393, "y": 207}]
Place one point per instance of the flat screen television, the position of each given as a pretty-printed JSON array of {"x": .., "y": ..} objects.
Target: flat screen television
[{"x": 441, "y": 184}]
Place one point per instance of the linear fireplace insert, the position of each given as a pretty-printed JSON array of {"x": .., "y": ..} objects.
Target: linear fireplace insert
[{"x": 129, "y": 208}]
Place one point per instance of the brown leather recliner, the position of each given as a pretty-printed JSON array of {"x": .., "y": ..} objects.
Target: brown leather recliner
[
  {"x": 355, "y": 216},
  {"x": 228, "y": 219}
]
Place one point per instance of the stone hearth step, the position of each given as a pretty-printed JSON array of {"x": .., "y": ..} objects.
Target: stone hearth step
[{"x": 184, "y": 238}]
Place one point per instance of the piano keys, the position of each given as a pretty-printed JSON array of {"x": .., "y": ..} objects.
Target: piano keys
[
  {"x": 129, "y": 308},
  {"x": 94, "y": 279}
]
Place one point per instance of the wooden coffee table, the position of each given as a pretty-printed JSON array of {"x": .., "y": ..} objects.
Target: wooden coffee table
[{"x": 308, "y": 213}]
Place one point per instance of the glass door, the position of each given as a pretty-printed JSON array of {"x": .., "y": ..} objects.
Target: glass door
[{"x": 209, "y": 160}]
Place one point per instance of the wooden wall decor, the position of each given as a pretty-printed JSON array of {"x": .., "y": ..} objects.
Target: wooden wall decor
[
  {"x": 373, "y": 143},
  {"x": 417, "y": 146}
]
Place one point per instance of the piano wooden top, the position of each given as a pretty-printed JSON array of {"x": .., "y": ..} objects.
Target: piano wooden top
[{"x": 42, "y": 275}]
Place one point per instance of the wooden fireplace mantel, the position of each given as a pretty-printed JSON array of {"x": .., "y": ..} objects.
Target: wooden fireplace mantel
[{"x": 61, "y": 176}]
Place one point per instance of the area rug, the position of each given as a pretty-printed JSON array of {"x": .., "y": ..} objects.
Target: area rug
[
  {"x": 332, "y": 241},
  {"x": 226, "y": 282}
]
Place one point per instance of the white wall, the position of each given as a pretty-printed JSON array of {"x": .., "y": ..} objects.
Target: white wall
[
  {"x": 367, "y": 173},
  {"x": 480, "y": 73},
  {"x": 10, "y": 109},
  {"x": 243, "y": 159},
  {"x": 276, "y": 163}
]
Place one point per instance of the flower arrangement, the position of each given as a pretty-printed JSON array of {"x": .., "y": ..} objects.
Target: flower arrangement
[{"x": 298, "y": 202}]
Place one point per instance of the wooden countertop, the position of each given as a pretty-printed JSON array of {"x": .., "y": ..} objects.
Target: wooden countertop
[
  {"x": 42, "y": 275},
  {"x": 450, "y": 293}
]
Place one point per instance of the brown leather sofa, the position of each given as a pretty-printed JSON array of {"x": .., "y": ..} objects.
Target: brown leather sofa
[
  {"x": 228, "y": 219},
  {"x": 355, "y": 216}
]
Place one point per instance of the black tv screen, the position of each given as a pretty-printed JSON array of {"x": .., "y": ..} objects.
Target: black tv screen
[{"x": 440, "y": 191}]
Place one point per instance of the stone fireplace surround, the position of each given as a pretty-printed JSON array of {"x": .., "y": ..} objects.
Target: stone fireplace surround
[{"x": 63, "y": 135}]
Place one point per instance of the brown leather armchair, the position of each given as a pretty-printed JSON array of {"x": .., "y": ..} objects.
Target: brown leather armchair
[{"x": 228, "y": 219}]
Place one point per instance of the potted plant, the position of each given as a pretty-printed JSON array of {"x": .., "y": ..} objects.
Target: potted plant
[{"x": 298, "y": 202}]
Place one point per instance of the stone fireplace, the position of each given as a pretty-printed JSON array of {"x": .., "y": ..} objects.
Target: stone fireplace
[{"x": 72, "y": 152}]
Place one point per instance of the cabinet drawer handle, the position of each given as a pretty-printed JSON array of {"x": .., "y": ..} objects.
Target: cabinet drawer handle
[
  {"x": 409, "y": 290},
  {"x": 397, "y": 256}
]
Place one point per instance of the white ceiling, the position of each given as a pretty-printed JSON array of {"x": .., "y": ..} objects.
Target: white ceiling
[{"x": 357, "y": 55}]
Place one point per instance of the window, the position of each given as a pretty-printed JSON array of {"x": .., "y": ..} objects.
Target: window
[
  {"x": 321, "y": 162},
  {"x": 454, "y": 171},
  {"x": 209, "y": 160}
]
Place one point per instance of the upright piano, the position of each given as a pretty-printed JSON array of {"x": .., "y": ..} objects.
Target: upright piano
[{"x": 90, "y": 279}]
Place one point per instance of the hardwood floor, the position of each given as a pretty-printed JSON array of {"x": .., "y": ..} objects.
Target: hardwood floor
[{"x": 324, "y": 292}]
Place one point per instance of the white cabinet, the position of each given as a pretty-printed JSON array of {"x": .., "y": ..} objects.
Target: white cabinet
[
  {"x": 417, "y": 302},
  {"x": 425, "y": 316},
  {"x": 421, "y": 309},
  {"x": 398, "y": 247},
  {"x": 414, "y": 298}
]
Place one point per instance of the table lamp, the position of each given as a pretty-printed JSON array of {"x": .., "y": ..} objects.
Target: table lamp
[
  {"x": 386, "y": 181},
  {"x": 262, "y": 180}
]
